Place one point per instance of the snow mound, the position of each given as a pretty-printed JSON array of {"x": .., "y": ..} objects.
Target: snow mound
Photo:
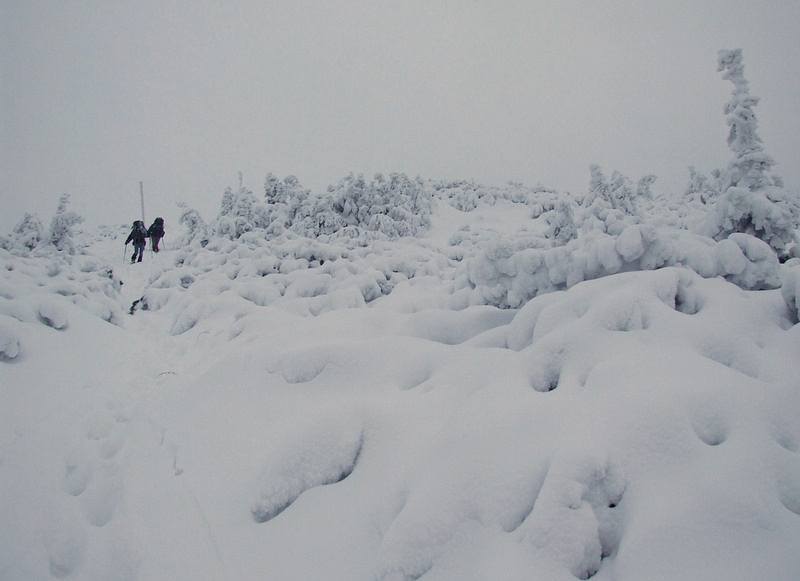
[
  {"x": 43, "y": 289},
  {"x": 9, "y": 338},
  {"x": 321, "y": 454}
]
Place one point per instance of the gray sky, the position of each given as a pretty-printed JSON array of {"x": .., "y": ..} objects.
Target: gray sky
[{"x": 96, "y": 96}]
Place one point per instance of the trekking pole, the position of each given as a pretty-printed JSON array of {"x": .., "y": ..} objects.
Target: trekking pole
[{"x": 124, "y": 253}]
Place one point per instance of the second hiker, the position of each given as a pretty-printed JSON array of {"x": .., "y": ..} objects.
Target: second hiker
[{"x": 156, "y": 233}]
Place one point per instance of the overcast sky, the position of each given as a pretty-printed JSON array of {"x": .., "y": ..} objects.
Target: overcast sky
[{"x": 96, "y": 96}]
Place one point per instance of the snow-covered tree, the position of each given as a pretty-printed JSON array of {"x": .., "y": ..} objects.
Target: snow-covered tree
[
  {"x": 405, "y": 203},
  {"x": 751, "y": 166},
  {"x": 701, "y": 188},
  {"x": 26, "y": 236},
  {"x": 613, "y": 203},
  {"x": 288, "y": 191},
  {"x": 283, "y": 198},
  {"x": 61, "y": 226},
  {"x": 240, "y": 212},
  {"x": 643, "y": 191},
  {"x": 753, "y": 199},
  {"x": 617, "y": 192},
  {"x": 196, "y": 228},
  {"x": 392, "y": 206},
  {"x": 561, "y": 223}
]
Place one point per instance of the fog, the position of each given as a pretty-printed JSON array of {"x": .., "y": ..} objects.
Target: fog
[{"x": 97, "y": 97}]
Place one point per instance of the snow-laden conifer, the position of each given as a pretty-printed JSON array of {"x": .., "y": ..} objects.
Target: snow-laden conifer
[
  {"x": 702, "y": 189},
  {"x": 196, "y": 228},
  {"x": 753, "y": 199},
  {"x": 612, "y": 204},
  {"x": 26, "y": 236},
  {"x": 561, "y": 223},
  {"x": 61, "y": 226}
]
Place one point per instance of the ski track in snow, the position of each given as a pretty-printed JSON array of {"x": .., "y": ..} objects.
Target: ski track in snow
[{"x": 273, "y": 419}]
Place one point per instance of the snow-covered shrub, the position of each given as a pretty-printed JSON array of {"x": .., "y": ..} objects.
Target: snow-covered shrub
[
  {"x": 317, "y": 217},
  {"x": 507, "y": 276},
  {"x": 702, "y": 189},
  {"x": 614, "y": 203},
  {"x": 753, "y": 200},
  {"x": 288, "y": 191},
  {"x": 240, "y": 212},
  {"x": 27, "y": 234},
  {"x": 61, "y": 226},
  {"x": 283, "y": 199},
  {"x": 561, "y": 223},
  {"x": 393, "y": 207},
  {"x": 196, "y": 229},
  {"x": 277, "y": 191},
  {"x": 285, "y": 204},
  {"x": 643, "y": 191},
  {"x": 763, "y": 213},
  {"x": 761, "y": 267},
  {"x": 403, "y": 206},
  {"x": 617, "y": 192},
  {"x": 466, "y": 195},
  {"x": 88, "y": 284}
]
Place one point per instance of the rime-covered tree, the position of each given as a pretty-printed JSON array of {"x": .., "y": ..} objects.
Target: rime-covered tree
[
  {"x": 27, "y": 234},
  {"x": 618, "y": 192},
  {"x": 614, "y": 203},
  {"x": 561, "y": 227},
  {"x": 61, "y": 226},
  {"x": 751, "y": 167},
  {"x": 288, "y": 191},
  {"x": 240, "y": 212},
  {"x": 196, "y": 228},
  {"x": 753, "y": 199},
  {"x": 284, "y": 199},
  {"x": 701, "y": 188}
]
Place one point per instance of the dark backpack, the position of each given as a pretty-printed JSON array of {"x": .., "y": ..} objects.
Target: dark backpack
[
  {"x": 156, "y": 229},
  {"x": 139, "y": 233}
]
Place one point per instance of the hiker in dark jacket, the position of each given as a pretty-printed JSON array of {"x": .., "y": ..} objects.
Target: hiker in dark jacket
[
  {"x": 156, "y": 232},
  {"x": 138, "y": 236}
]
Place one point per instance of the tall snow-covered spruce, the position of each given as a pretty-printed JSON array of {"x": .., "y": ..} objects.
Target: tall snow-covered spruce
[{"x": 753, "y": 199}]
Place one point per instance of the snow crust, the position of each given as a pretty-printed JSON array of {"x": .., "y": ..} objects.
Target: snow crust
[{"x": 481, "y": 401}]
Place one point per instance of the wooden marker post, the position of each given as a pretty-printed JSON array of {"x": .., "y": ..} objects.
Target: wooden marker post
[{"x": 141, "y": 197}]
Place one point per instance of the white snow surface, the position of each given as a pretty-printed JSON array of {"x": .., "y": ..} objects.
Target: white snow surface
[{"x": 464, "y": 405}]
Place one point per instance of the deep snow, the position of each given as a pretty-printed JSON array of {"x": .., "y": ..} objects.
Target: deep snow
[{"x": 274, "y": 415}]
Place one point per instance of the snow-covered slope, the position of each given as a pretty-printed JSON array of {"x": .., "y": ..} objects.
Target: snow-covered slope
[{"x": 279, "y": 408}]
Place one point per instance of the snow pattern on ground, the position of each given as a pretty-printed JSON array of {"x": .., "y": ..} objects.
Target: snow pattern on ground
[{"x": 296, "y": 409}]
